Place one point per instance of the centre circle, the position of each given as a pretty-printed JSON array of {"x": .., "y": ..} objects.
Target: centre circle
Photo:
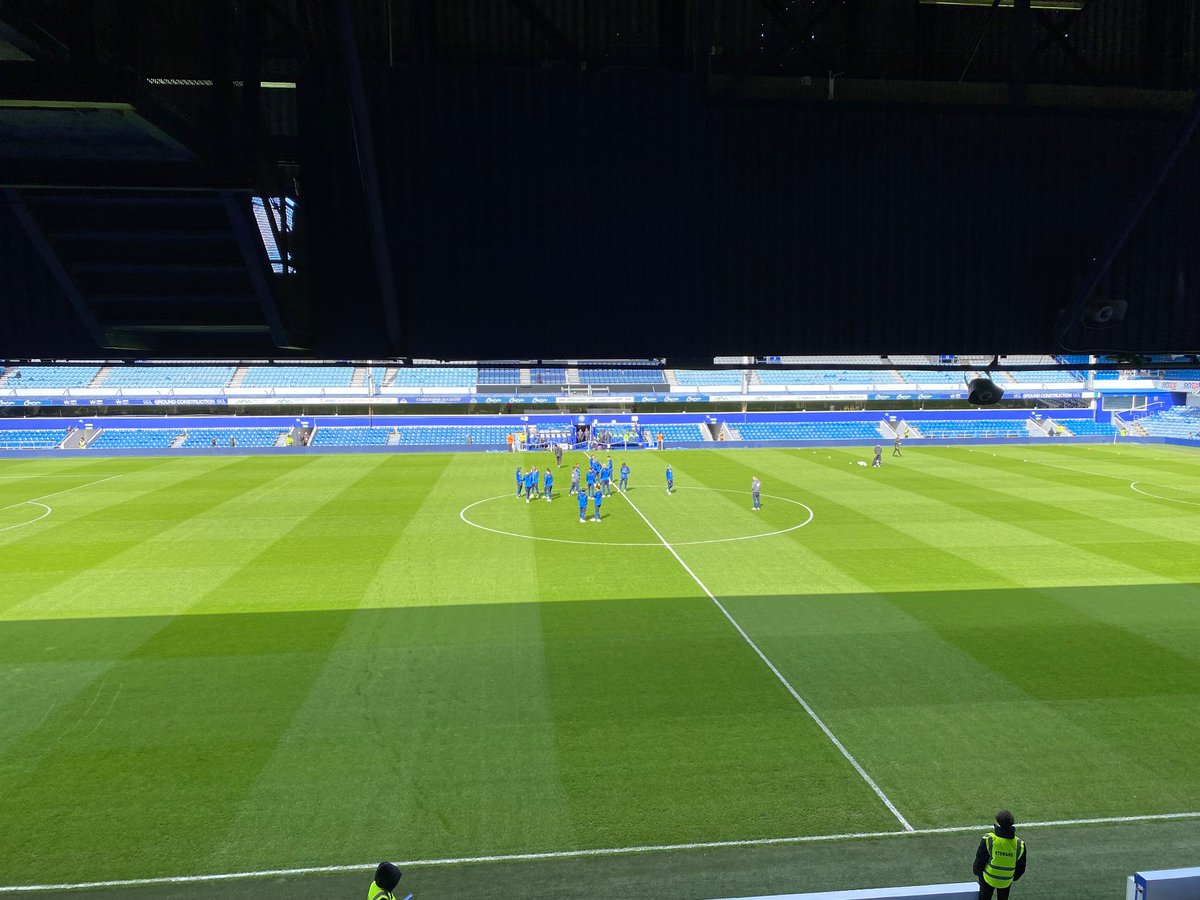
[{"x": 462, "y": 514}]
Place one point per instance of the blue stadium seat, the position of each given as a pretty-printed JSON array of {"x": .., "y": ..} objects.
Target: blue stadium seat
[
  {"x": 971, "y": 428},
  {"x": 31, "y": 439},
  {"x": 135, "y": 438},
  {"x": 51, "y": 377},
  {"x": 809, "y": 431},
  {"x": 298, "y": 376},
  {"x": 123, "y": 377}
]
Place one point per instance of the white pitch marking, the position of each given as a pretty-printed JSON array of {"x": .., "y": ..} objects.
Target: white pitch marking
[
  {"x": 47, "y": 512},
  {"x": 745, "y": 537},
  {"x": 57, "y": 493},
  {"x": 579, "y": 854},
  {"x": 770, "y": 665},
  {"x": 1133, "y": 486}
]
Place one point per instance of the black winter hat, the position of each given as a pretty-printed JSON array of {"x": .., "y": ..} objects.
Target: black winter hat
[
  {"x": 1004, "y": 819},
  {"x": 387, "y": 876}
]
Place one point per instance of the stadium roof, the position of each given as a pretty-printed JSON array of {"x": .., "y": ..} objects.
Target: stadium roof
[{"x": 548, "y": 179}]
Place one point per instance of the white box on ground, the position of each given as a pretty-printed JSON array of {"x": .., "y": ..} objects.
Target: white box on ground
[
  {"x": 966, "y": 890},
  {"x": 1164, "y": 884}
]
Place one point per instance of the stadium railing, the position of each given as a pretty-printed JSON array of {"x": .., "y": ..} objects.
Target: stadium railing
[
  {"x": 965, "y": 890},
  {"x": 1164, "y": 884}
]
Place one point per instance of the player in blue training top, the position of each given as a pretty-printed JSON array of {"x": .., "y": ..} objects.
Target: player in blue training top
[
  {"x": 528, "y": 485},
  {"x": 583, "y": 502},
  {"x": 606, "y": 480},
  {"x": 537, "y": 483},
  {"x": 549, "y": 483},
  {"x": 599, "y": 498},
  {"x": 624, "y": 485},
  {"x": 591, "y": 480},
  {"x": 520, "y": 482},
  {"x": 670, "y": 479}
]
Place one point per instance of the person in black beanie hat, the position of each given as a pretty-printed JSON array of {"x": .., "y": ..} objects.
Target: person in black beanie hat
[
  {"x": 1000, "y": 859},
  {"x": 387, "y": 876}
]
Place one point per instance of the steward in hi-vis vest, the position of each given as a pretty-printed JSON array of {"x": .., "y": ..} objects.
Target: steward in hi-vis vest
[
  {"x": 387, "y": 876},
  {"x": 1000, "y": 859}
]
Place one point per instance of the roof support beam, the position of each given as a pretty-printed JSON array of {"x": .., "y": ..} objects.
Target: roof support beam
[
  {"x": 255, "y": 260},
  {"x": 57, "y": 270}
]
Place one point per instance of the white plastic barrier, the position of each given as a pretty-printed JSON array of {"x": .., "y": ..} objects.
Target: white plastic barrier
[
  {"x": 966, "y": 890},
  {"x": 1165, "y": 884}
]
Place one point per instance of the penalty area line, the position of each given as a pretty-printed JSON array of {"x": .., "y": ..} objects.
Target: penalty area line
[
  {"x": 779, "y": 675},
  {"x": 581, "y": 854}
]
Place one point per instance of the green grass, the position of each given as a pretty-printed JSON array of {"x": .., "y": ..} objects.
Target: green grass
[{"x": 231, "y": 664}]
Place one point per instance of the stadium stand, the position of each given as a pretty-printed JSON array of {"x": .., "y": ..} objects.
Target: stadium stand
[
  {"x": 933, "y": 377},
  {"x": 1177, "y": 422},
  {"x": 1028, "y": 377},
  {"x": 704, "y": 377},
  {"x": 126, "y": 377},
  {"x": 135, "y": 438},
  {"x": 621, "y": 376},
  {"x": 435, "y": 377},
  {"x": 298, "y": 376},
  {"x": 30, "y": 439},
  {"x": 453, "y": 435},
  {"x": 678, "y": 433},
  {"x": 826, "y": 376},
  {"x": 494, "y": 375},
  {"x": 1087, "y": 428},
  {"x": 350, "y": 436},
  {"x": 970, "y": 428},
  {"x": 50, "y": 377},
  {"x": 246, "y": 437},
  {"x": 1178, "y": 375},
  {"x": 809, "y": 431},
  {"x": 547, "y": 376}
]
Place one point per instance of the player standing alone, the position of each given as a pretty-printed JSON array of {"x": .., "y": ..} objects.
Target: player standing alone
[
  {"x": 623, "y": 487},
  {"x": 670, "y": 479},
  {"x": 755, "y": 492},
  {"x": 896, "y": 447},
  {"x": 878, "y": 460}
]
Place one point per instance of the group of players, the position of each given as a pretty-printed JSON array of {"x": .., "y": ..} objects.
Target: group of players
[{"x": 591, "y": 486}]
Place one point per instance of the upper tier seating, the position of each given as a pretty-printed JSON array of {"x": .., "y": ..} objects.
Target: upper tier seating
[
  {"x": 428, "y": 376},
  {"x": 50, "y": 377},
  {"x": 298, "y": 376},
  {"x": 29, "y": 438},
  {"x": 705, "y": 377},
  {"x": 245, "y": 437},
  {"x": 945, "y": 428},
  {"x": 495, "y": 375},
  {"x": 139, "y": 438},
  {"x": 1178, "y": 375},
  {"x": 123, "y": 377},
  {"x": 621, "y": 376}
]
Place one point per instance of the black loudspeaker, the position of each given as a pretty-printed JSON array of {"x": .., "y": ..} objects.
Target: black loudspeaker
[
  {"x": 984, "y": 392},
  {"x": 1102, "y": 313}
]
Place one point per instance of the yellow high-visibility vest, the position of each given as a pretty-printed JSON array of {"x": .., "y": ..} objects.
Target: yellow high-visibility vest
[{"x": 1003, "y": 854}]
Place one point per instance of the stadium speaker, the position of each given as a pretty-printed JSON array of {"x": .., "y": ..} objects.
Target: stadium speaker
[
  {"x": 983, "y": 392},
  {"x": 1102, "y": 312}
]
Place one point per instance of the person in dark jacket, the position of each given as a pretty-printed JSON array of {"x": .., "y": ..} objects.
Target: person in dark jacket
[
  {"x": 387, "y": 876},
  {"x": 1000, "y": 859}
]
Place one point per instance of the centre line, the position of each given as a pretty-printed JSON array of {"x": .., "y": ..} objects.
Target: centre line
[{"x": 770, "y": 665}]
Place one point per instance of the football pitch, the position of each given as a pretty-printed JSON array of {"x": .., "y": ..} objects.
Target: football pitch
[{"x": 306, "y": 664}]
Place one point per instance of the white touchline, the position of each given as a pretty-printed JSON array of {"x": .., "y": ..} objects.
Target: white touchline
[
  {"x": 63, "y": 491},
  {"x": 770, "y": 665},
  {"x": 580, "y": 854}
]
